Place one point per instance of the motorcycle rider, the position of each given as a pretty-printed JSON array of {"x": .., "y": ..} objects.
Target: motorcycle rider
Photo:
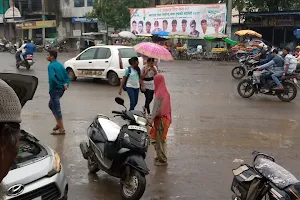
[
  {"x": 29, "y": 49},
  {"x": 275, "y": 66},
  {"x": 20, "y": 51},
  {"x": 262, "y": 52},
  {"x": 290, "y": 65}
]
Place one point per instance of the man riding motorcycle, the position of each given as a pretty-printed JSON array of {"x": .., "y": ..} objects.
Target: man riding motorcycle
[
  {"x": 290, "y": 65},
  {"x": 27, "y": 49},
  {"x": 275, "y": 66}
]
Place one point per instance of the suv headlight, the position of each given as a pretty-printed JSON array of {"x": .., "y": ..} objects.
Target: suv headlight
[
  {"x": 140, "y": 120},
  {"x": 56, "y": 165}
]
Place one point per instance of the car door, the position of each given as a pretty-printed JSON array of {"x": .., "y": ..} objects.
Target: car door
[
  {"x": 102, "y": 60},
  {"x": 84, "y": 62}
]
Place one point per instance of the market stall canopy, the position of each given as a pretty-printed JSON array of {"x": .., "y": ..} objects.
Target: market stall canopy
[
  {"x": 153, "y": 50},
  {"x": 144, "y": 35},
  {"x": 179, "y": 34},
  {"x": 127, "y": 35},
  {"x": 248, "y": 33},
  {"x": 230, "y": 41},
  {"x": 215, "y": 36},
  {"x": 161, "y": 33}
]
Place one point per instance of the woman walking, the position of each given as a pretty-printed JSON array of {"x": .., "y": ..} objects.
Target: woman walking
[
  {"x": 148, "y": 73},
  {"x": 162, "y": 119},
  {"x": 132, "y": 82}
]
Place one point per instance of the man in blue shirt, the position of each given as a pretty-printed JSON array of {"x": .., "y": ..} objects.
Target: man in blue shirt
[
  {"x": 29, "y": 49},
  {"x": 58, "y": 82}
]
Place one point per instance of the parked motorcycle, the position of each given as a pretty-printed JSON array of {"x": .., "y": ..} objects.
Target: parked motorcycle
[
  {"x": 264, "y": 180},
  {"x": 119, "y": 151},
  {"x": 13, "y": 49},
  {"x": 246, "y": 63},
  {"x": 62, "y": 47},
  {"x": 251, "y": 85},
  {"x": 27, "y": 62},
  {"x": 5, "y": 46}
]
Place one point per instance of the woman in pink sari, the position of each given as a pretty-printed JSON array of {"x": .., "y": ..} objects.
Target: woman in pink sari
[{"x": 162, "y": 119}]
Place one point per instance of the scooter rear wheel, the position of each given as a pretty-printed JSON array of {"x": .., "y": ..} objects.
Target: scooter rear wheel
[{"x": 135, "y": 187}]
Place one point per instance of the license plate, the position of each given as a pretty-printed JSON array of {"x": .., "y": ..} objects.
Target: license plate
[
  {"x": 90, "y": 72},
  {"x": 132, "y": 127},
  {"x": 38, "y": 198}
]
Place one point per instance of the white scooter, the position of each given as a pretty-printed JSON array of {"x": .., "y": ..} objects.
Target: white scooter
[{"x": 119, "y": 151}]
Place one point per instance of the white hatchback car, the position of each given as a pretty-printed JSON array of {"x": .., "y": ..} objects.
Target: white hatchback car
[
  {"x": 37, "y": 173},
  {"x": 105, "y": 62}
]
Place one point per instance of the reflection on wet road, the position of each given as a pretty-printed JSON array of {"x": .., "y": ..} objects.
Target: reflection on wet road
[{"x": 212, "y": 127}]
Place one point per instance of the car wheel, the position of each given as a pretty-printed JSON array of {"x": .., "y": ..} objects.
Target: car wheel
[
  {"x": 71, "y": 74},
  {"x": 113, "y": 79}
]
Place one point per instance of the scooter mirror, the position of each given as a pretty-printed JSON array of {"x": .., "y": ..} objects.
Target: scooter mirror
[{"x": 119, "y": 101}]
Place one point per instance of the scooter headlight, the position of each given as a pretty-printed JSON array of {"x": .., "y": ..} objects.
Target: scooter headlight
[
  {"x": 126, "y": 137},
  {"x": 140, "y": 120}
]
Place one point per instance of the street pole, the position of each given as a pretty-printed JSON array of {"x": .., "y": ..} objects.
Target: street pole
[
  {"x": 229, "y": 18},
  {"x": 4, "y": 20}
]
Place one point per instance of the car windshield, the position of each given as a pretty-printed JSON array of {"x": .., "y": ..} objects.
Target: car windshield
[{"x": 128, "y": 53}]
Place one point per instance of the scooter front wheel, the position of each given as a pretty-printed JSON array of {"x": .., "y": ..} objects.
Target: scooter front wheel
[
  {"x": 134, "y": 187},
  {"x": 92, "y": 165}
]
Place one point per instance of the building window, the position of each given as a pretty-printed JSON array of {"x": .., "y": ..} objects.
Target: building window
[
  {"x": 90, "y": 2},
  {"x": 78, "y": 3}
]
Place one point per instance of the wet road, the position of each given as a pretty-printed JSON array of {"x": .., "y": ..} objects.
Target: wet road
[{"x": 212, "y": 126}]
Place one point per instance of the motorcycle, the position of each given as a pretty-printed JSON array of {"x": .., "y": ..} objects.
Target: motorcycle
[
  {"x": 119, "y": 151},
  {"x": 246, "y": 64},
  {"x": 246, "y": 88},
  {"x": 13, "y": 49},
  {"x": 5, "y": 46},
  {"x": 62, "y": 47},
  {"x": 27, "y": 62},
  {"x": 265, "y": 179}
]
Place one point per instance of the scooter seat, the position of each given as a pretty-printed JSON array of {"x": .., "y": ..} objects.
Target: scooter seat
[{"x": 275, "y": 173}]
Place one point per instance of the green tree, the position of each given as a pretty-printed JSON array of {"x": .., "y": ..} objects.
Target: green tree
[{"x": 115, "y": 13}]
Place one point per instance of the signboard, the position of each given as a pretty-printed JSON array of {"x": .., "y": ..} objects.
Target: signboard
[
  {"x": 278, "y": 21},
  {"x": 12, "y": 12},
  {"x": 76, "y": 33},
  {"x": 84, "y": 20},
  {"x": 36, "y": 24},
  {"x": 195, "y": 19}
]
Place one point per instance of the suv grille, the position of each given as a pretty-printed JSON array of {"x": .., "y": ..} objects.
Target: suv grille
[{"x": 48, "y": 192}]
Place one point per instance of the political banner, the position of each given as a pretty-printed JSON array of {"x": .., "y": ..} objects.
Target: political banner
[{"x": 194, "y": 19}]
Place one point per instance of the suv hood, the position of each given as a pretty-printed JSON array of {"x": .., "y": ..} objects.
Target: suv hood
[{"x": 23, "y": 85}]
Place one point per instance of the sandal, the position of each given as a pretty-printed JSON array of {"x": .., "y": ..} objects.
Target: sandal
[
  {"x": 56, "y": 128},
  {"x": 59, "y": 132}
]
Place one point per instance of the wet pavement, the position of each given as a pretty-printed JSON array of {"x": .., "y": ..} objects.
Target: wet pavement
[{"x": 212, "y": 126}]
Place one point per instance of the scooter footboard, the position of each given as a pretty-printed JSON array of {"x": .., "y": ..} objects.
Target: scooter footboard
[{"x": 137, "y": 162}]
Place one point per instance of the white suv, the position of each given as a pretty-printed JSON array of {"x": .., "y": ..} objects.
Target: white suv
[{"x": 105, "y": 62}]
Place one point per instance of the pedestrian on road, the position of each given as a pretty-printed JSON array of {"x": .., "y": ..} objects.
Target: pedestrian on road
[
  {"x": 10, "y": 119},
  {"x": 162, "y": 119},
  {"x": 132, "y": 82},
  {"x": 58, "y": 82},
  {"x": 148, "y": 73}
]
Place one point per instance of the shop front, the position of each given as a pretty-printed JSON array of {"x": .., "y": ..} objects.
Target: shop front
[
  {"x": 34, "y": 29},
  {"x": 276, "y": 27}
]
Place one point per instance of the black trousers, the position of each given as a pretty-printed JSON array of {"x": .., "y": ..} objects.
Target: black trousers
[
  {"x": 148, "y": 99},
  {"x": 264, "y": 79}
]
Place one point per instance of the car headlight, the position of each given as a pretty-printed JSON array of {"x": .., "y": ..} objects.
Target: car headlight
[
  {"x": 56, "y": 165},
  {"x": 140, "y": 120}
]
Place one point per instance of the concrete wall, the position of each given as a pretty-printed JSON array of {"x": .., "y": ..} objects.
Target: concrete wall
[{"x": 68, "y": 9}]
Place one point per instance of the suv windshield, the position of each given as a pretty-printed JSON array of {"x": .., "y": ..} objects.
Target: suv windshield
[{"x": 128, "y": 53}]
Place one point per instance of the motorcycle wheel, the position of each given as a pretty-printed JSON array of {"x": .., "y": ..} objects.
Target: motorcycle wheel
[
  {"x": 290, "y": 92},
  {"x": 17, "y": 65},
  {"x": 246, "y": 89},
  {"x": 92, "y": 165},
  {"x": 238, "y": 72},
  {"x": 13, "y": 51},
  {"x": 135, "y": 187},
  {"x": 60, "y": 50}
]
